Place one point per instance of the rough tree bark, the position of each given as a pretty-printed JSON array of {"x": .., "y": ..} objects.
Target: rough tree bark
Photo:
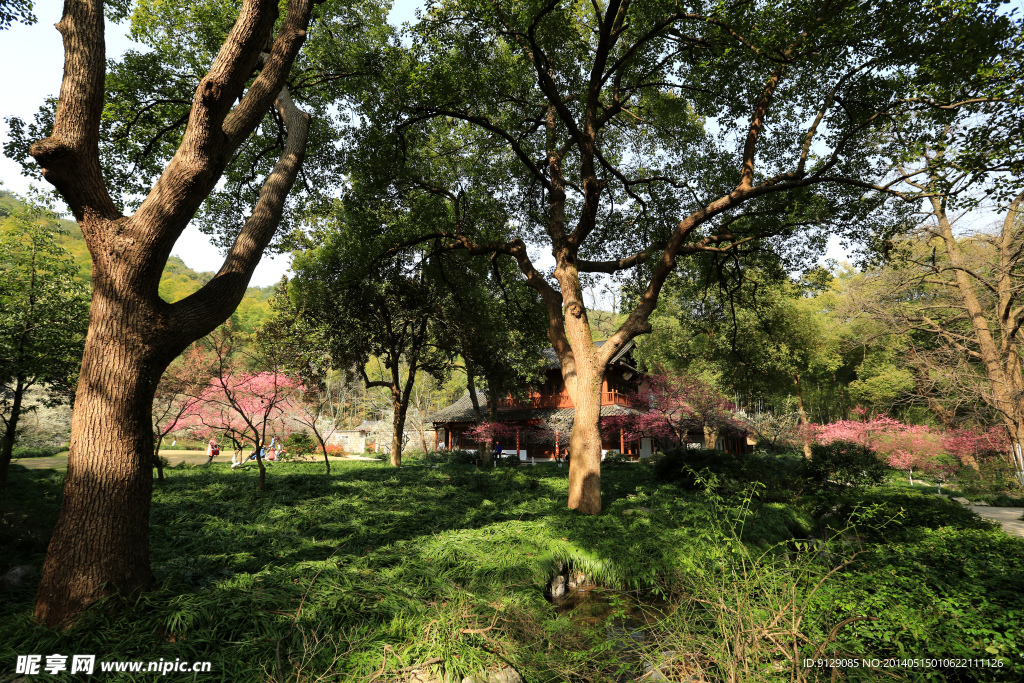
[
  {"x": 100, "y": 546},
  {"x": 1000, "y": 351}
]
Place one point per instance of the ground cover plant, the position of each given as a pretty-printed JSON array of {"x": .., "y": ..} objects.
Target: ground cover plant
[{"x": 374, "y": 573}]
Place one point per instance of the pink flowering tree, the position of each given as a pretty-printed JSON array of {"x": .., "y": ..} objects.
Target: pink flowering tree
[
  {"x": 669, "y": 407},
  {"x": 245, "y": 406},
  {"x": 176, "y": 396},
  {"x": 904, "y": 461},
  {"x": 940, "y": 468},
  {"x": 969, "y": 445},
  {"x": 491, "y": 432},
  {"x": 903, "y": 447}
]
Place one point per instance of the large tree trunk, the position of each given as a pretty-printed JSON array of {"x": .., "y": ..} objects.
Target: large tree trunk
[
  {"x": 804, "y": 430},
  {"x": 710, "y": 437},
  {"x": 398, "y": 432},
  {"x": 100, "y": 545},
  {"x": 585, "y": 444},
  {"x": 7, "y": 443}
]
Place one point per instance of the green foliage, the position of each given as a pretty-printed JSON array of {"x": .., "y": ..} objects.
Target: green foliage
[
  {"x": 843, "y": 464},
  {"x": 43, "y": 452},
  {"x": 333, "y": 569},
  {"x": 450, "y": 457},
  {"x": 15, "y": 11},
  {"x": 993, "y": 476},
  {"x": 614, "y": 460},
  {"x": 299, "y": 443},
  {"x": 776, "y": 477}
]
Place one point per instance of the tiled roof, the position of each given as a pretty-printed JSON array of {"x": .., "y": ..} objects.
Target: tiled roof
[
  {"x": 551, "y": 358},
  {"x": 462, "y": 411}
]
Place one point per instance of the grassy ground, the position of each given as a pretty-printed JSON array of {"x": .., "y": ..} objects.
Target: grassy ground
[{"x": 374, "y": 573}]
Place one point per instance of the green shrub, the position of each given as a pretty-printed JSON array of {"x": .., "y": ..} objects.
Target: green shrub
[
  {"x": 782, "y": 476},
  {"x": 299, "y": 443},
  {"x": 42, "y": 452},
  {"x": 843, "y": 464},
  {"x": 994, "y": 475},
  {"x": 450, "y": 457},
  {"x": 614, "y": 459},
  {"x": 681, "y": 465},
  {"x": 512, "y": 460}
]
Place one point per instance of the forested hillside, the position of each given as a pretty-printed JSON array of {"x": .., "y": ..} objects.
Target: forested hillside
[{"x": 178, "y": 279}]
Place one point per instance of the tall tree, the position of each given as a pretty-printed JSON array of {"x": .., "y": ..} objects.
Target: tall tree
[
  {"x": 762, "y": 334},
  {"x": 961, "y": 297},
  {"x": 641, "y": 133},
  {"x": 384, "y": 313},
  {"x": 102, "y": 529},
  {"x": 43, "y": 318}
]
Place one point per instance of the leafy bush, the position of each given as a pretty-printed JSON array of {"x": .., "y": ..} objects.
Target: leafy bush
[
  {"x": 450, "y": 457},
  {"x": 782, "y": 475},
  {"x": 512, "y": 460},
  {"x": 993, "y": 476},
  {"x": 680, "y": 465},
  {"x": 844, "y": 463},
  {"x": 614, "y": 459},
  {"x": 300, "y": 443},
  {"x": 997, "y": 500},
  {"x": 43, "y": 452}
]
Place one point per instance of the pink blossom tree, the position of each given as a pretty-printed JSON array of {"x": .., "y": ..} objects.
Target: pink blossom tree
[
  {"x": 176, "y": 396},
  {"x": 904, "y": 447},
  {"x": 668, "y": 407},
  {"x": 243, "y": 404}
]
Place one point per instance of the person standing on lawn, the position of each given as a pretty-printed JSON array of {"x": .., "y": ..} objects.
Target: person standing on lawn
[{"x": 212, "y": 449}]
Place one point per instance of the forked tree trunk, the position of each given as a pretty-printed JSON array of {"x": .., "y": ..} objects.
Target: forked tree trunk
[{"x": 100, "y": 545}]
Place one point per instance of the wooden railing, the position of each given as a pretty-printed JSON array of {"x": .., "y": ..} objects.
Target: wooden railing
[{"x": 560, "y": 401}]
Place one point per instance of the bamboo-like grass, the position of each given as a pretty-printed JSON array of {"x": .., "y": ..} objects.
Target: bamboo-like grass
[{"x": 373, "y": 573}]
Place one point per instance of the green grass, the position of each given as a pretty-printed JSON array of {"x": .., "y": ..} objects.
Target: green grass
[{"x": 356, "y": 576}]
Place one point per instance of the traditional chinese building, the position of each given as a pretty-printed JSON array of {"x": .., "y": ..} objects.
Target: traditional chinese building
[{"x": 537, "y": 424}]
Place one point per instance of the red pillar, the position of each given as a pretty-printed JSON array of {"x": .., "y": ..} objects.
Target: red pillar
[{"x": 622, "y": 442}]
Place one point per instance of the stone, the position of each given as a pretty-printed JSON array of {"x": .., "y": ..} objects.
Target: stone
[
  {"x": 16, "y": 576},
  {"x": 982, "y": 503},
  {"x": 504, "y": 675},
  {"x": 962, "y": 501},
  {"x": 629, "y": 511},
  {"x": 577, "y": 579},
  {"x": 558, "y": 586}
]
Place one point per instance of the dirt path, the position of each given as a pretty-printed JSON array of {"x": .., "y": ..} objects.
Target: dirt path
[
  {"x": 1008, "y": 518},
  {"x": 60, "y": 462}
]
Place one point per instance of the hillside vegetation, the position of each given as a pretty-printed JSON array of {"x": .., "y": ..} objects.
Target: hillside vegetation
[{"x": 178, "y": 279}]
